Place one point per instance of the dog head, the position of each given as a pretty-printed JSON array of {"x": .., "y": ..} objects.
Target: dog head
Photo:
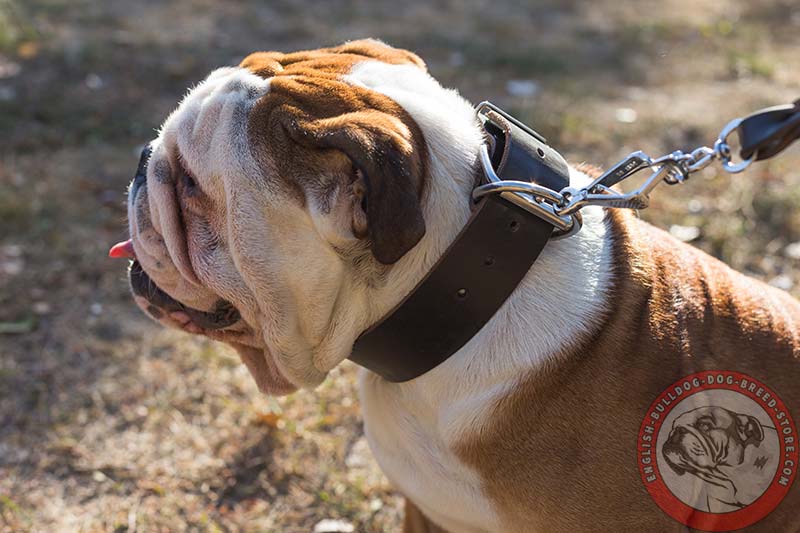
[
  {"x": 286, "y": 203},
  {"x": 703, "y": 439}
]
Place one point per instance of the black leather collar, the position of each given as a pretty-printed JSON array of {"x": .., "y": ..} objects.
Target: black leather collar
[{"x": 479, "y": 270}]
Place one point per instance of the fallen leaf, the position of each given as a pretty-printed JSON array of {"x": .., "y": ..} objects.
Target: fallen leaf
[
  {"x": 268, "y": 419},
  {"x": 27, "y": 50}
]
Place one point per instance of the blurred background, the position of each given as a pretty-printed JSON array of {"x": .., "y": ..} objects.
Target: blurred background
[{"x": 111, "y": 423}]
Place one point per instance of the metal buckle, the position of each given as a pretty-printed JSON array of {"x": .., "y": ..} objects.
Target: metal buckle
[{"x": 535, "y": 199}]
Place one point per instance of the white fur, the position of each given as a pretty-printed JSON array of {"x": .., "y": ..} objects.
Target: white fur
[
  {"x": 413, "y": 427},
  {"x": 208, "y": 130}
]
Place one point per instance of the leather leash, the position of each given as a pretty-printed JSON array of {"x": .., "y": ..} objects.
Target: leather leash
[{"x": 768, "y": 132}]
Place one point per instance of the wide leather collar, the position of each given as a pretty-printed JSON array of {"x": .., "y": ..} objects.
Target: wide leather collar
[{"x": 478, "y": 271}]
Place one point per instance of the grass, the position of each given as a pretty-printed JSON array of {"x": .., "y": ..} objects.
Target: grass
[
  {"x": 16, "y": 29},
  {"x": 109, "y": 423}
]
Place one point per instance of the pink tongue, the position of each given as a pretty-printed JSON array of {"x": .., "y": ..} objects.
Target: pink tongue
[{"x": 122, "y": 249}]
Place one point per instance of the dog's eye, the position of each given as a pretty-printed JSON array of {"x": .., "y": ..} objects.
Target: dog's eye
[
  {"x": 703, "y": 426},
  {"x": 189, "y": 184}
]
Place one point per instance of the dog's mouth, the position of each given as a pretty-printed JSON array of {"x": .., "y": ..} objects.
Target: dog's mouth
[
  {"x": 223, "y": 315},
  {"x": 159, "y": 304}
]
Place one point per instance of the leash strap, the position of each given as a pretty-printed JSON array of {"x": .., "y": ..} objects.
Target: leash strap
[
  {"x": 762, "y": 135},
  {"x": 479, "y": 270},
  {"x": 768, "y": 132}
]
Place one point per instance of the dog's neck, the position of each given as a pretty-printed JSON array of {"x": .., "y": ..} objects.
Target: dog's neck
[
  {"x": 558, "y": 304},
  {"x": 422, "y": 421},
  {"x": 559, "y": 301}
]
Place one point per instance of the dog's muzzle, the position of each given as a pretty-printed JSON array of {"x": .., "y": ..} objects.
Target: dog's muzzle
[{"x": 161, "y": 304}]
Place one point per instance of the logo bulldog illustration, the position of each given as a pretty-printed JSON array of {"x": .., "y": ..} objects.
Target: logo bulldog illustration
[
  {"x": 732, "y": 453},
  {"x": 718, "y": 451}
]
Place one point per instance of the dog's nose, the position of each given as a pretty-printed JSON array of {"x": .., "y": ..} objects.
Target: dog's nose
[
  {"x": 141, "y": 171},
  {"x": 125, "y": 248}
]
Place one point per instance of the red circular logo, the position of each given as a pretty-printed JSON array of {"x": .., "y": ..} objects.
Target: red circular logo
[{"x": 718, "y": 451}]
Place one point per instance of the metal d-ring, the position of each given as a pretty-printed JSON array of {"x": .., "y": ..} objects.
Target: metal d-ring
[
  {"x": 723, "y": 150},
  {"x": 535, "y": 199},
  {"x": 518, "y": 186}
]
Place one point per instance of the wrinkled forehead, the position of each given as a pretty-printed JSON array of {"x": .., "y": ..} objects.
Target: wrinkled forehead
[{"x": 208, "y": 129}]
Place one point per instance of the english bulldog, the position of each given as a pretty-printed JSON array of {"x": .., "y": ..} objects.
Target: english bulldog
[
  {"x": 732, "y": 454},
  {"x": 289, "y": 203}
]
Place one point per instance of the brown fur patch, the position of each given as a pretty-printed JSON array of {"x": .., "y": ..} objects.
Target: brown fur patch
[
  {"x": 333, "y": 61},
  {"x": 560, "y": 454},
  {"x": 313, "y": 127}
]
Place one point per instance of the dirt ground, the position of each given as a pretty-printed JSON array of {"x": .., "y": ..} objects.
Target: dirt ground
[{"x": 110, "y": 423}]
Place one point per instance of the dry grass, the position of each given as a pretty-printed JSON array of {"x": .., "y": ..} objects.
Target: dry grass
[{"x": 108, "y": 423}]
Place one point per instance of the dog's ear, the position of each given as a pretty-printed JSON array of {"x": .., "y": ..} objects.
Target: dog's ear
[
  {"x": 749, "y": 429},
  {"x": 382, "y": 143},
  {"x": 391, "y": 174}
]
